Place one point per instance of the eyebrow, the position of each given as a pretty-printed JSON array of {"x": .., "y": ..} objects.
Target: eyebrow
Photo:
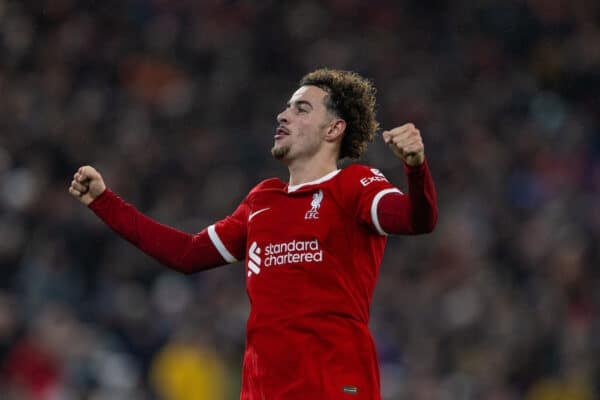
[{"x": 300, "y": 102}]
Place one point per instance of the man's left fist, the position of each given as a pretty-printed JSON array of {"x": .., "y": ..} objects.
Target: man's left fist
[{"x": 406, "y": 143}]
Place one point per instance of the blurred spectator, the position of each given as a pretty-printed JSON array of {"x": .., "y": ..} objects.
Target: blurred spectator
[
  {"x": 33, "y": 367},
  {"x": 186, "y": 368}
]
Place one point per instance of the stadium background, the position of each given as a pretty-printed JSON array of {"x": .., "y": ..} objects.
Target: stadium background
[{"x": 175, "y": 103}]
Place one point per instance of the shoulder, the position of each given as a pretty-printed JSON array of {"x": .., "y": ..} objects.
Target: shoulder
[
  {"x": 361, "y": 175},
  {"x": 267, "y": 184}
]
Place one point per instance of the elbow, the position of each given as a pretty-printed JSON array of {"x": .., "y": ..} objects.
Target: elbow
[
  {"x": 181, "y": 268},
  {"x": 423, "y": 230},
  {"x": 427, "y": 226},
  {"x": 432, "y": 223},
  {"x": 180, "y": 265},
  {"x": 186, "y": 271},
  {"x": 430, "y": 228}
]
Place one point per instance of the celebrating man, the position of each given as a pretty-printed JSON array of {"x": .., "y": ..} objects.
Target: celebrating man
[{"x": 312, "y": 245}]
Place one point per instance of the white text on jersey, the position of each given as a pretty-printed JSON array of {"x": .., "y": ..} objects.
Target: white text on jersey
[
  {"x": 296, "y": 251},
  {"x": 368, "y": 180},
  {"x": 275, "y": 254}
]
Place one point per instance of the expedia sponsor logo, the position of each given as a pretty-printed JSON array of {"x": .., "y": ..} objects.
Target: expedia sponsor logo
[
  {"x": 276, "y": 254},
  {"x": 377, "y": 177}
]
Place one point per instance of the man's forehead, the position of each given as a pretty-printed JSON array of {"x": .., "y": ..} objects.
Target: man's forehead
[{"x": 309, "y": 93}]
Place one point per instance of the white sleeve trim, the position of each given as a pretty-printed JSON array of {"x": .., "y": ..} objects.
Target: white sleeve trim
[
  {"x": 374, "y": 205},
  {"x": 216, "y": 241}
]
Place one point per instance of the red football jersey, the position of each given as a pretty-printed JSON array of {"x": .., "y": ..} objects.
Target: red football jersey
[{"x": 312, "y": 259}]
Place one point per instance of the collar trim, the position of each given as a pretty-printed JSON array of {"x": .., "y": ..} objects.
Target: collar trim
[{"x": 293, "y": 188}]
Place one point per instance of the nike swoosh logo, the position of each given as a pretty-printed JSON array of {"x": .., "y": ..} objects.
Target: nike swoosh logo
[{"x": 255, "y": 213}]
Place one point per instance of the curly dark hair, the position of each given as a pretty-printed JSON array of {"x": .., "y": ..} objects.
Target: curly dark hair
[{"x": 352, "y": 98}]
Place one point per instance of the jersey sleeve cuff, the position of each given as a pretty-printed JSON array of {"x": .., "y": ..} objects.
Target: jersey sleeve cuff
[
  {"x": 105, "y": 197},
  {"x": 416, "y": 169},
  {"x": 375, "y": 204}
]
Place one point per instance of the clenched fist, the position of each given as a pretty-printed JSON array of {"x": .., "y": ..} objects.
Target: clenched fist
[
  {"x": 87, "y": 184},
  {"x": 406, "y": 143}
]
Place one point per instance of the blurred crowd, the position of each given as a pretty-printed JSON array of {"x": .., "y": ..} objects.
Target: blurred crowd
[{"x": 174, "y": 101}]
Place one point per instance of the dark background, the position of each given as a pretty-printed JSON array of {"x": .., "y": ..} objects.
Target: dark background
[{"x": 175, "y": 103}]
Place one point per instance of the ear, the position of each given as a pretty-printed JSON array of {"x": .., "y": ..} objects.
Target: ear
[{"x": 336, "y": 129}]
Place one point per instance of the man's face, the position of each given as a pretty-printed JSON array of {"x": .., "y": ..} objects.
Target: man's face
[{"x": 302, "y": 125}]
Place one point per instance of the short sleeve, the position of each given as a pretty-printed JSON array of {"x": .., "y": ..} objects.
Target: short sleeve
[{"x": 365, "y": 187}]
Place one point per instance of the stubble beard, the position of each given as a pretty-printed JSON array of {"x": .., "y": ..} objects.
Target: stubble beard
[{"x": 279, "y": 152}]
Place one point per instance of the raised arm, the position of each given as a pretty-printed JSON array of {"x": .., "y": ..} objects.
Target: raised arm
[
  {"x": 416, "y": 212},
  {"x": 176, "y": 249}
]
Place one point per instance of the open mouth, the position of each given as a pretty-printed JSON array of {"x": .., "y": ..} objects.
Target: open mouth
[{"x": 281, "y": 132}]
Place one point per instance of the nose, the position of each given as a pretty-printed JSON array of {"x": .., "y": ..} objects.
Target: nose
[{"x": 282, "y": 117}]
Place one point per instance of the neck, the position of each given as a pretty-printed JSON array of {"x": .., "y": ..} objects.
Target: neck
[{"x": 302, "y": 172}]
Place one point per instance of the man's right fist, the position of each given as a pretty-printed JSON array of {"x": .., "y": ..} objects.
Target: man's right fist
[{"x": 87, "y": 184}]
